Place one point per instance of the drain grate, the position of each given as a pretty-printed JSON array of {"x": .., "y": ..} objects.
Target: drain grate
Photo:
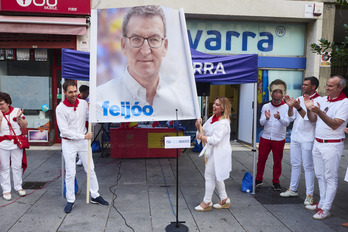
[
  {"x": 33, "y": 184},
  {"x": 266, "y": 195}
]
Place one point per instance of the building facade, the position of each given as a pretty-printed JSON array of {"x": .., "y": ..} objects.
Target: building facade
[
  {"x": 32, "y": 34},
  {"x": 279, "y": 31}
]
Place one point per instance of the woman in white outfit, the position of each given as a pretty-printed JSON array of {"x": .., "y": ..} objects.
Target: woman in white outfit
[
  {"x": 218, "y": 151},
  {"x": 10, "y": 154}
]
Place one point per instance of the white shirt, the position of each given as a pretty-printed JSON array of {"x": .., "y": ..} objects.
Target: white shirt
[
  {"x": 5, "y": 130},
  {"x": 338, "y": 109},
  {"x": 274, "y": 129},
  {"x": 169, "y": 97},
  {"x": 303, "y": 129},
  {"x": 72, "y": 124}
]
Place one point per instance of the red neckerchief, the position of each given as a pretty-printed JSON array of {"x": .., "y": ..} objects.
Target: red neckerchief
[
  {"x": 315, "y": 95},
  {"x": 11, "y": 109},
  {"x": 79, "y": 97},
  {"x": 339, "y": 98},
  {"x": 215, "y": 118},
  {"x": 281, "y": 103},
  {"x": 68, "y": 104}
]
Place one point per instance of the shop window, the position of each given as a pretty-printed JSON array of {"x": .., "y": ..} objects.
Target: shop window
[{"x": 30, "y": 86}]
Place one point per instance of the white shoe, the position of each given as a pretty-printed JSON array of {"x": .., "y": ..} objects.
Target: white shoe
[
  {"x": 309, "y": 200},
  {"x": 313, "y": 207},
  {"x": 199, "y": 208},
  {"x": 321, "y": 214},
  {"x": 21, "y": 192},
  {"x": 7, "y": 197},
  {"x": 79, "y": 162},
  {"x": 222, "y": 206},
  {"x": 289, "y": 193}
]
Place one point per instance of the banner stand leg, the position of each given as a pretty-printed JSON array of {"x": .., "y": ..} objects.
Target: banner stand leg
[{"x": 177, "y": 226}]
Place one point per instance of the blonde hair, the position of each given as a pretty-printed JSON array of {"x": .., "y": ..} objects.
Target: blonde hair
[{"x": 226, "y": 108}]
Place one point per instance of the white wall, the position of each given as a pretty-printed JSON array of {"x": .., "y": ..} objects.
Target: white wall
[
  {"x": 246, "y": 8},
  {"x": 245, "y": 128}
]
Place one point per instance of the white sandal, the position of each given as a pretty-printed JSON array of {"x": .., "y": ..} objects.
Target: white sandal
[
  {"x": 219, "y": 205},
  {"x": 199, "y": 208}
]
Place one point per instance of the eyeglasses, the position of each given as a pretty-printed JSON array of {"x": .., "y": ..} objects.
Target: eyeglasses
[{"x": 138, "y": 41}]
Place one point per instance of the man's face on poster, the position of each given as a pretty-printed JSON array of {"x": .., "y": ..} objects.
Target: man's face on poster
[{"x": 145, "y": 61}]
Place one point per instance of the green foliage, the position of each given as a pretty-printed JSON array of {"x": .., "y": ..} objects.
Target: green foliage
[
  {"x": 339, "y": 51},
  {"x": 342, "y": 2}
]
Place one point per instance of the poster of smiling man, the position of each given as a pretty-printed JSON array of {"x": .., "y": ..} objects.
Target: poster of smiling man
[{"x": 141, "y": 67}]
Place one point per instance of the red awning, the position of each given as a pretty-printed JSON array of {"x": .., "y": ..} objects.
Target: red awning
[{"x": 43, "y": 25}]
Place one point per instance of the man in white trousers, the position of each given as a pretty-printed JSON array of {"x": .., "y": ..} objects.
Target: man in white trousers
[
  {"x": 72, "y": 115},
  {"x": 345, "y": 224},
  {"x": 331, "y": 115},
  {"x": 302, "y": 139}
]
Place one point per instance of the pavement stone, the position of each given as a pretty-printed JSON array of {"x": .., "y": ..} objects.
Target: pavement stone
[{"x": 142, "y": 193}]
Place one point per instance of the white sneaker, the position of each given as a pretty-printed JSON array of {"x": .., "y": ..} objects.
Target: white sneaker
[
  {"x": 321, "y": 214},
  {"x": 309, "y": 200},
  {"x": 313, "y": 207},
  {"x": 7, "y": 197},
  {"x": 79, "y": 162},
  {"x": 289, "y": 193},
  {"x": 21, "y": 192}
]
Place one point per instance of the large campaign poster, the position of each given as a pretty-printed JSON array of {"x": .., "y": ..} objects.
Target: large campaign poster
[{"x": 141, "y": 67}]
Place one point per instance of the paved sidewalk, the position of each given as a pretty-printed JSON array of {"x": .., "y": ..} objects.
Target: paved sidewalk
[{"x": 141, "y": 192}]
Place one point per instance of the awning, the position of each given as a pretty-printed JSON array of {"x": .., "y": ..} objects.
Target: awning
[
  {"x": 43, "y": 25},
  {"x": 75, "y": 64},
  {"x": 224, "y": 70}
]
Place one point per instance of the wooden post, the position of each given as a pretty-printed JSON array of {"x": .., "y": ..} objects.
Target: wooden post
[{"x": 203, "y": 143}]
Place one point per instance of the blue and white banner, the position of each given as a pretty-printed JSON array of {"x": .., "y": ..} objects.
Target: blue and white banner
[
  {"x": 143, "y": 72},
  {"x": 224, "y": 70}
]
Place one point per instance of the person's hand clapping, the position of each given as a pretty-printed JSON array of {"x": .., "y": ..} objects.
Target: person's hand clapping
[
  {"x": 288, "y": 101},
  {"x": 19, "y": 114},
  {"x": 296, "y": 104},
  {"x": 277, "y": 115},
  {"x": 308, "y": 102},
  {"x": 267, "y": 114},
  {"x": 315, "y": 109}
]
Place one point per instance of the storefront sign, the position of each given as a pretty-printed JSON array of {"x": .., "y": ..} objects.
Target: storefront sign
[
  {"x": 246, "y": 37},
  {"x": 41, "y": 54},
  {"x": 23, "y": 54},
  {"x": 76, "y": 7}
]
